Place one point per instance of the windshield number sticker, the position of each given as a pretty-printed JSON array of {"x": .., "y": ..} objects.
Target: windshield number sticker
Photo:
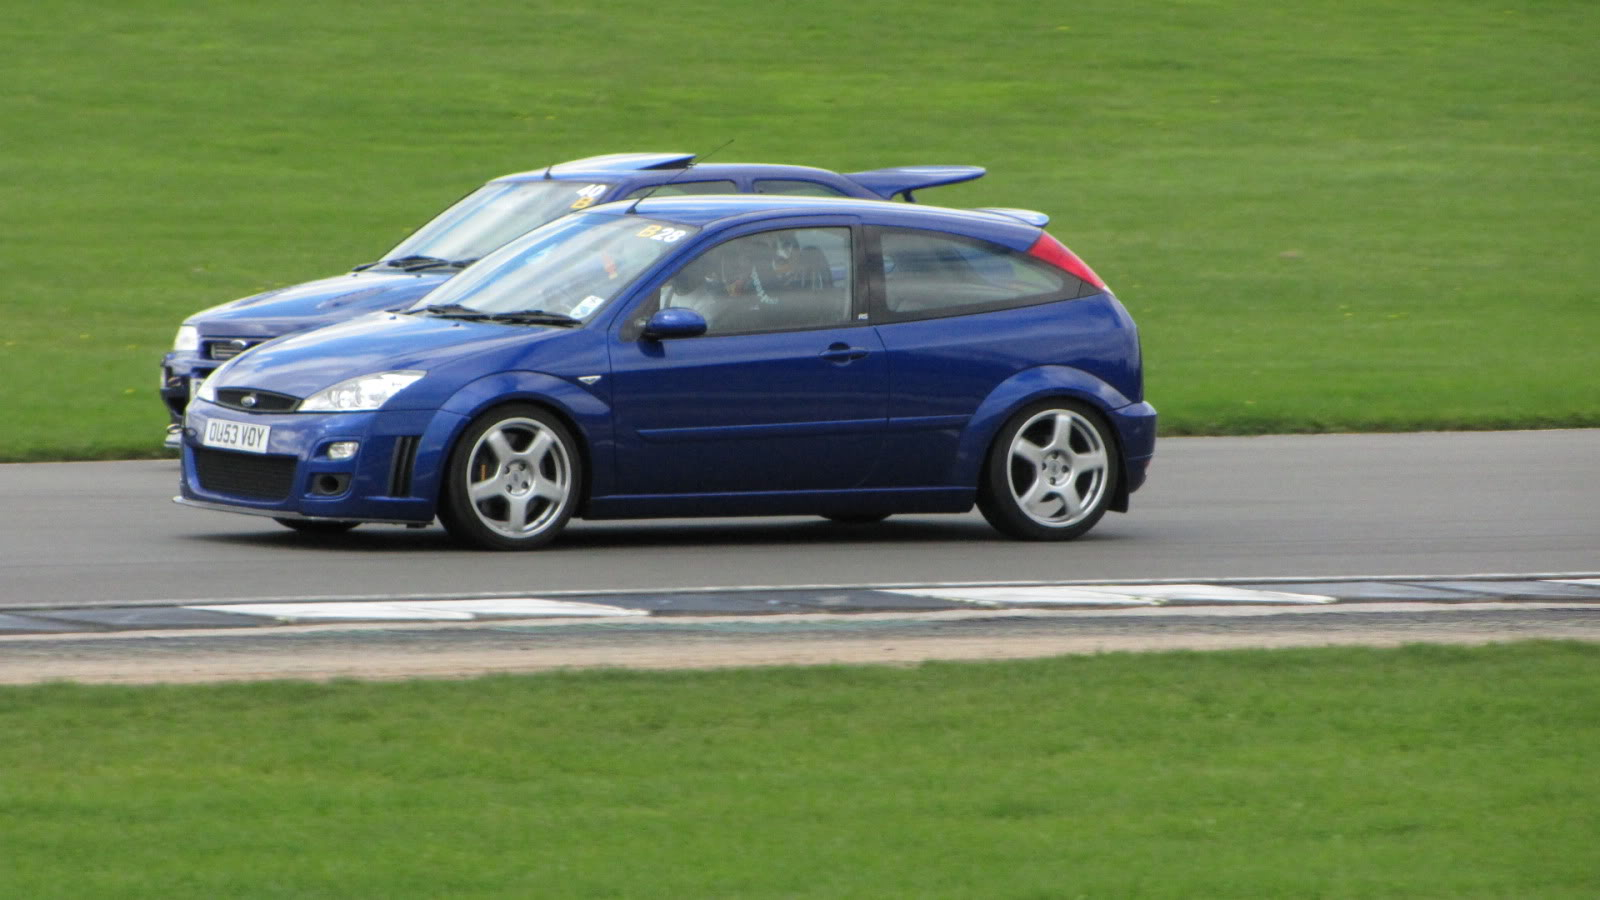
[
  {"x": 587, "y": 195},
  {"x": 586, "y": 306},
  {"x": 658, "y": 233}
]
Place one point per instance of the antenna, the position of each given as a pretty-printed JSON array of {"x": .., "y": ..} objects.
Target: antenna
[{"x": 681, "y": 172}]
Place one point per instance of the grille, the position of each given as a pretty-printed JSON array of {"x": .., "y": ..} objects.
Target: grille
[
  {"x": 405, "y": 459},
  {"x": 228, "y": 349},
  {"x": 255, "y": 401},
  {"x": 248, "y": 475}
]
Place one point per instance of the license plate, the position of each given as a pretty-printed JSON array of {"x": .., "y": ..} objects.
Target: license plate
[{"x": 236, "y": 435}]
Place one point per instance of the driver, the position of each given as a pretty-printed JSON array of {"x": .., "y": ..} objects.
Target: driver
[{"x": 726, "y": 281}]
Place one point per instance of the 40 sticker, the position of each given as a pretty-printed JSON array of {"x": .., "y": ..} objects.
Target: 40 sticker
[{"x": 587, "y": 195}]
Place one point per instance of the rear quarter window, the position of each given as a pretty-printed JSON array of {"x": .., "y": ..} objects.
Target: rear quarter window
[{"x": 928, "y": 274}]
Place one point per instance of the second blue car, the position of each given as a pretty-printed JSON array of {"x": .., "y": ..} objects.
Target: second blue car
[{"x": 480, "y": 222}]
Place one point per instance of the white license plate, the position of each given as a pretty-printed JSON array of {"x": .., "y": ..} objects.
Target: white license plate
[{"x": 236, "y": 435}]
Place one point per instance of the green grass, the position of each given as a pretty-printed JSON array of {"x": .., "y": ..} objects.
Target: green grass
[
  {"x": 1329, "y": 214},
  {"x": 1418, "y": 772}
]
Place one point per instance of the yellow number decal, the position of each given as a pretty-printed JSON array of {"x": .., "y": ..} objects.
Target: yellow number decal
[
  {"x": 582, "y": 202},
  {"x": 648, "y": 231}
]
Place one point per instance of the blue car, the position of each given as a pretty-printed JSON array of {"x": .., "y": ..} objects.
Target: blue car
[
  {"x": 483, "y": 220},
  {"x": 700, "y": 356}
]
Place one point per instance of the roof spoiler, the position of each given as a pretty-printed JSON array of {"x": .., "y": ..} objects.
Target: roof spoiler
[
  {"x": 887, "y": 183},
  {"x": 1031, "y": 216},
  {"x": 630, "y": 161}
]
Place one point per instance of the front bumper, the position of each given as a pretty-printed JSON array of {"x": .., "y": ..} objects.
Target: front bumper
[{"x": 394, "y": 475}]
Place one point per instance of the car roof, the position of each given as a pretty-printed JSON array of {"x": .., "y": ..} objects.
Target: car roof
[{"x": 729, "y": 210}]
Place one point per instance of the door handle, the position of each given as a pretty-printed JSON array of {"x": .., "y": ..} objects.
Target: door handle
[{"x": 843, "y": 353}]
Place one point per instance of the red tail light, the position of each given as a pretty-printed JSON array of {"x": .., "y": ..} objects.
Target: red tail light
[{"x": 1056, "y": 254}]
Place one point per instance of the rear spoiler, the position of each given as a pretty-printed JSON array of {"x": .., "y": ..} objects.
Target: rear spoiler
[
  {"x": 630, "y": 161},
  {"x": 887, "y": 183},
  {"x": 1031, "y": 216}
]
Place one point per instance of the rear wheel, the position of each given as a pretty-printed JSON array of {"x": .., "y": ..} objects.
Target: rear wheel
[
  {"x": 313, "y": 526},
  {"x": 512, "y": 481},
  {"x": 1051, "y": 472}
]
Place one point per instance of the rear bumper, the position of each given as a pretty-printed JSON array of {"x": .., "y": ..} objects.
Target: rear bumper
[{"x": 1136, "y": 428}]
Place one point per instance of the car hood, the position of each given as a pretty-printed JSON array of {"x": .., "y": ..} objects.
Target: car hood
[
  {"x": 316, "y": 303},
  {"x": 302, "y": 364}
]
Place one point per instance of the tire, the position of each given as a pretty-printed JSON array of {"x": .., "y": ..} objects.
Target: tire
[
  {"x": 513, "y": 480},
  {"x": 857, "y": 518},
  {"x": 312, "y": 526},
  {"x": 1050, "y": 473}
]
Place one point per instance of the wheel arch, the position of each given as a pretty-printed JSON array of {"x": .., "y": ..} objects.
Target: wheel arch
[
  {"x": 1026, "y": 388},
  {"x": 586, "y": 416}
]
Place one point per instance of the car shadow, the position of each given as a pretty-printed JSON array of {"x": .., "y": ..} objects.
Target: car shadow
[{"x": 633, "y": 534}]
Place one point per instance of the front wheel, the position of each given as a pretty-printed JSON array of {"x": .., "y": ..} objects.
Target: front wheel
[
  {"x": 1051, "y": 472},
  {"x": 513, "y": 480}
]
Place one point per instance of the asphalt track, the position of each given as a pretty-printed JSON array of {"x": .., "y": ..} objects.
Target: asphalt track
[{"x": 1323, "y": 506}]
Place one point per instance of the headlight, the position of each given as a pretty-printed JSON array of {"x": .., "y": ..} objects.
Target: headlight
[
  {"x": 188, "y": 339},
  {"x": 367, "y": 392},
  {"x": 208, "y": 387}
]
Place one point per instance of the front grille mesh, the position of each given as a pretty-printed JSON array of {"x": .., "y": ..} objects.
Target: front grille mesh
[
  {"x": 227, "y": 349},
  {"x": 256, "y": 401},
  {"x": 249, "y": 475}
]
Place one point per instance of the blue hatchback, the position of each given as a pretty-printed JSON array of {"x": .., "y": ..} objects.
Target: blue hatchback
[
  {"x": 696, "y": 356},
  {"x": 483, "y": 220}
]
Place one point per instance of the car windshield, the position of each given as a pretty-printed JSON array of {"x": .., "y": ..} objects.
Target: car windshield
[
  {"x": 571, "y": 266},
  {"x": 494, "y": 214}
]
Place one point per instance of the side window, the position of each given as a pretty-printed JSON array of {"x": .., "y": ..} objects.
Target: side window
[
  {"x": 929, "y": 274},
  {"x": 797, "y": 188},
  {"x": 680, "y": 188},
  {"x": 772, "y": 281}
]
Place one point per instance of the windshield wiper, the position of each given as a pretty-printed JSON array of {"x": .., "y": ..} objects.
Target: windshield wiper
[
  {"x": 432, "y": 263},
  {"x": 515, "y": 317},
  {"x": 534, "y": 317},
  {"x": 452, "y": 311},
  {"x": 401, "y": 262},
  {"x": 416, "y": 263}
]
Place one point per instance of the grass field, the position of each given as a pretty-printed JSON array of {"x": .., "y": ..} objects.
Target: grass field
[
  {"x": 1418, "y": 773},
  {"x": 1325, "y": 214}
]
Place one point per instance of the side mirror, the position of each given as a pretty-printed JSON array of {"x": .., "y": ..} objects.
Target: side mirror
[{"x": 674, "y": 322}]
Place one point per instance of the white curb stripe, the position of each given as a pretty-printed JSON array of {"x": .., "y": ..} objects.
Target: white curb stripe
[
  {"x": 1028, "y": 596},
  {"x": 1119, "y": 595},
  {"x": 423, "y": 611}
]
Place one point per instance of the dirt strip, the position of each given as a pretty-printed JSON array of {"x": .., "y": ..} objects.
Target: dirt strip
[{"x": 431, "y": 651}]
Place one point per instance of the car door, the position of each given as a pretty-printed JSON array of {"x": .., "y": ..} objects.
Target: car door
[{"x": 786, "y": 391}]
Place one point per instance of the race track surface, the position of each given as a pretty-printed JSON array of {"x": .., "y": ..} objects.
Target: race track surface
[
  {"x": 1235, "y": 542},
  {"x": 1323, "y": 506}
]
